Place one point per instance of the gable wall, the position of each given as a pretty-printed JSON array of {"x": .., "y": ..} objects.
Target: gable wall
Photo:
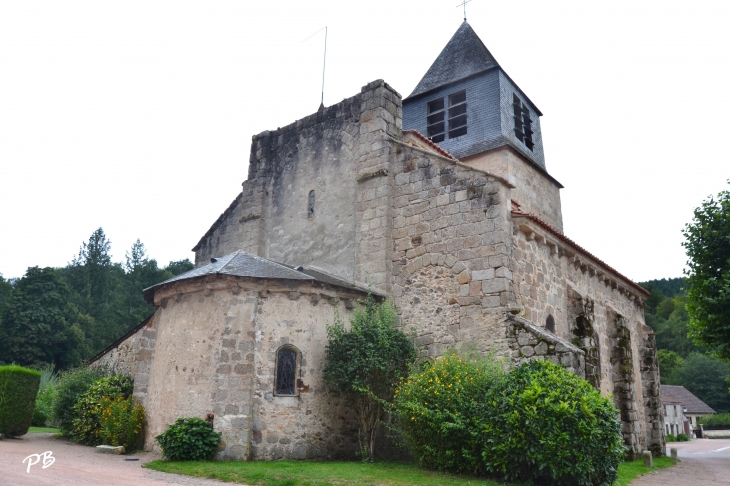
[{"x": 535, "y": 192}]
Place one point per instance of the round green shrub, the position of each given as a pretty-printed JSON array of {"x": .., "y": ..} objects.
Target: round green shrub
[
  {"x": 682, "y": 438},
  {"x": 71, "y": 385},
  {"x": 87, "y": 410},
  {"x": 544, "y": 424},
  {"x": 438, "y": 410},
  {"x": 18, "y": 390},
  {"x": 670, "y": 438},
  {"x": 189, "y": 439}
]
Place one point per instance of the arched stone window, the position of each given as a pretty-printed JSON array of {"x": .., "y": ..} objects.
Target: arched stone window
[
  {"x": 287, "y": 368},
  {"x": 310, "y": 212},
  {"x": 550, "y": 323}
]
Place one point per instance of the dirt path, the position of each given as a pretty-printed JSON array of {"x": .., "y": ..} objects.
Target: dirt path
[
  {"x": 703, "y": 462},
  {"x": 77, "y": 465}
]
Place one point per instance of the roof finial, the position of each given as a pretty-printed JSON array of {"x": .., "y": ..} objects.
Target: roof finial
[{"x": 463, "y": 4}]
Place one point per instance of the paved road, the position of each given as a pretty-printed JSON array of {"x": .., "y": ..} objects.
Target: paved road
[
  {"x": 77, "y": 465},
  {"x": 702, "y": 462}
]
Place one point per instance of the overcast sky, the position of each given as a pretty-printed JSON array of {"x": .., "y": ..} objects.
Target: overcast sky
[{"x": 138, "y": 116}]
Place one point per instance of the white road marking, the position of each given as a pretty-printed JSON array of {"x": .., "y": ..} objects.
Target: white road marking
[{"x": 721, "y": 449}]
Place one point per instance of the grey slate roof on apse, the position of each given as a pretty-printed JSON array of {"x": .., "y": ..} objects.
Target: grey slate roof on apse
[
  {"x": 674, "y": 393},
  {"x": 464, "y": 56},
  {"x": 242, "y": 264}
]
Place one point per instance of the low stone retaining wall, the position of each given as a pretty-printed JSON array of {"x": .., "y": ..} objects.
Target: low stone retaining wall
[{"x": 716, "y": 433}]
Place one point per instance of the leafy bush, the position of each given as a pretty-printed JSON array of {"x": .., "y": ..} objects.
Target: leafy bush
[
  {"x": 86, "y": 425},
  {"x": 718, "y": 421},
  {"x": 18, "y": 390},
  {"x": 682, "y": 438},
  {"x": 542, "y": 423},
  {"x": 439, "y": 411},
  {"x": 71, "y": 385},
  {"x": 43, "y": 412},
  {"x": 189, "y": 439},
  {"x": 670, "y": 438},
  {"x": 121, "y": 420},
  {"x": 364, "y": 364}
]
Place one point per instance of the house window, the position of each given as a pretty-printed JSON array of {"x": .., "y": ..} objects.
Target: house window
[
  {"x": 457, "y": 114},
  {"x": 310, "y": 211},
  {"x": 435, "y": 120},
  {"x": 550, "y": 323},
  {"x": 523, "y": 122},
  {"x": 286, "y": 371}
]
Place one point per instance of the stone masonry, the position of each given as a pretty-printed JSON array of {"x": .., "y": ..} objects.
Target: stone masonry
[{"x": 446, "y": 239}]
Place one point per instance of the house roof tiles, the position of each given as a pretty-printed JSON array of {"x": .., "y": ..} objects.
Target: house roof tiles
[{"x": 679, "y": 394}]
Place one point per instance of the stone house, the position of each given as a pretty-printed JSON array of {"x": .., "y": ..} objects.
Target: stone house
[
  {"x": 441, "y": 201},
  {"x": 682, "y": 409}
]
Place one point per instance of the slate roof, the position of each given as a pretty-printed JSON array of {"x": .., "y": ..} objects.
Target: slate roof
[
  {"x": 464, "y": 55},
  {"x": 242, "y": 264},
  {"x": 679, "y": 394}
]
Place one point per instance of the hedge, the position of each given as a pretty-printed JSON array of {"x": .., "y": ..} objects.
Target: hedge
[{"x": 18, "y": 390}]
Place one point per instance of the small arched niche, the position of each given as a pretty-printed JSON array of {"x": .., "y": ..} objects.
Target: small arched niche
[{"x": 550, "y": 323}]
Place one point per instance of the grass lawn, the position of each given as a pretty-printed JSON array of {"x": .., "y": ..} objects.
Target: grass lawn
[
  {"x": 297, "y": 473},
  {"x": 630, "y": 470},
  {"x": 38, "y": 430}
]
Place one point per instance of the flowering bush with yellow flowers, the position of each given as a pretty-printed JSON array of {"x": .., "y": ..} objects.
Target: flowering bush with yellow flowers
[
  {"x": 121, "y": 421},
  {"x": 439, "y": 410}
]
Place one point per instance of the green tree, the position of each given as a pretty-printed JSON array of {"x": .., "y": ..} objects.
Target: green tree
[
  {"x": 40, "y": 324},
  {"x": 6, "y": 288},
  {"x": 706, "y": 377},
  {"x": 179, "y": 267},
  {"x": 708, "y": 278},
  {"x": 669, "y": 361},
  {"x": 96, "y": 284},
  {"x": 364, "y": 364}
]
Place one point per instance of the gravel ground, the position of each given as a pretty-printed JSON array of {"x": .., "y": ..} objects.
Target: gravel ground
[
  {"x": 77, "y": 465},
  {"x": 703, "y": 462}
]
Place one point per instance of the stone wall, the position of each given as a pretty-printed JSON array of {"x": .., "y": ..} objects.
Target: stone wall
[
  {"x": 334, "y": 152},
  {"x": 216, "y": 342},
  {"x": 597, "y": 309},
  {"x": 133, "y": 356},
  {"x": 535, "y": 191},
  {"x": 450, "y": 275},
  {"x": 651, "y": 391}
]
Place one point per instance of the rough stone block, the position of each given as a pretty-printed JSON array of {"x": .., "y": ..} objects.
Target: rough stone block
[
  {"x": 464, "y": 278},
  {"x": 107, "y": 449},
  {"x": 541, "y": 348},
  {"x": 495, "y": 285},
  {"x": 648, "y": 459},
  {"x": 483, "y": 274}
]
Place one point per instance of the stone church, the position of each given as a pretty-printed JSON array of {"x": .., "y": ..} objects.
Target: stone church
[{"x": 440, "y": 201}]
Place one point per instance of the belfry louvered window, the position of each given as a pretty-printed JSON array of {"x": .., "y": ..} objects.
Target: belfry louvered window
[
  {"x": 523, "y": 122},
  {"x": 435, "y": 120},
  {"x": 457, "y": 114}
]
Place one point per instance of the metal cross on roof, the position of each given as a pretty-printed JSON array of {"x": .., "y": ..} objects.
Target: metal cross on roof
[{"x": 463, "y": 4}]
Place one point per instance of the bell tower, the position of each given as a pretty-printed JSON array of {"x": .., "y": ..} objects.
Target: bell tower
[{"x": 470, "y": 107}]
